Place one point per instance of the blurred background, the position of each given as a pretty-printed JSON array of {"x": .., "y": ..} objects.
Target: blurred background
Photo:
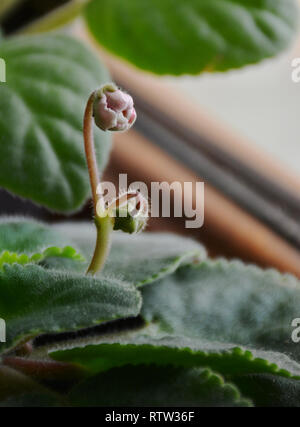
[
  {"x": 237, "y": 131},
  {"x": 261, "y": 102}
]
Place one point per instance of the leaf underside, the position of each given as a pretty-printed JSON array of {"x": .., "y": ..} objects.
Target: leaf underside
[
  {"x": 191, "y": 36},
  {"x": 67, "y": 252}
]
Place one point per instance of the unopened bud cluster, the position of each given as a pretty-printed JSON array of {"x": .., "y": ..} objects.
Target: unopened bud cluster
[
  {"x": 113, "y": 109},
  {"x": 130, "y": 212}
]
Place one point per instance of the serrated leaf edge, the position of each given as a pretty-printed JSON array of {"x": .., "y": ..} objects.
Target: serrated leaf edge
[
  {"x": 8, "y": 257},
  {"x": 234, "y": 354},
  {"x": 184, "y": 260}
]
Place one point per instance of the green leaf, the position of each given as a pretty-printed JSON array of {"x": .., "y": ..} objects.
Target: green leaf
[
  {"x": 280, "y": 339},
  {"x": 269, "y": 390},
  {"x": 155, "y": 386},
  {"x": 139, "y": 259},
  {"x": 179, "y": 37},
  {"x": 224, "y": 301},
  {"x": 225, "y": 308},
  {"x": 68, "y": 252},
  {"x": 58, "y": 17},
  {"x": 49, "y": 79},
  {"x": 139, "y": 349},
  {"x": 24, "y": 242},
  {"x": 27, "y": 236},
  {"x": 34, "y": 301}
]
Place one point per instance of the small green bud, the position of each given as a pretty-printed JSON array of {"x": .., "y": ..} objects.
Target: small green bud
[{"x": 130, "y": 212}]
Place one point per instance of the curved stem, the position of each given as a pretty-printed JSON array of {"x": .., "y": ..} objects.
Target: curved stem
[
  {"x": 103, "y": 224},
  {"x": 89, "y": 146},
  {"x": 104, "y": 228}
]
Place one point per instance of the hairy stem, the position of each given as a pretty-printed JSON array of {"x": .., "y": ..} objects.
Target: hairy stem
[
  {"x": 105, "y": 224},
  {"x": 104, "y": 228},
  {"x": 90, "y": 153}
]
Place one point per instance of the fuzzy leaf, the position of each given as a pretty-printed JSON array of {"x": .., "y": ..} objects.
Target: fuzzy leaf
[
  {"x": 224, "y": 301},
  {"x": 226, "y": 308},
  {"x": 24, "y": 242},
  {"x": 154, "y": 386},
  {"x": 139, "y": 349},
  {"x": 22, "y": 235},
  {"x": 49, "y": 79},
  {"x": 35, "y": 301},
  {"x": 190, "y": 36},
  {"x": 139, "y": 259},
  {"x": 268, "y": 390},
  {"x": 68, "y": 252}
]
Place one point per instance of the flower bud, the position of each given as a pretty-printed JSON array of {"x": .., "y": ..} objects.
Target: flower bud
[
  {"x": 113, "y": 109},
  {"x": 131, "y": 211}
]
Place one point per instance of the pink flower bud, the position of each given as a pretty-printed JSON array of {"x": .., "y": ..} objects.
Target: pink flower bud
[{"x": 113, "y": 109}]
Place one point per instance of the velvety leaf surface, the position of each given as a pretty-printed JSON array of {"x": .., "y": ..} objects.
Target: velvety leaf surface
[
  {"x": 49, "y": 79},
  {"x": 221, "y": 306},
  {"x": 280, "y": 339},
  {"x": 220, "y": 303},
  {"x": 179, "y": 37},
  {"x": 22, "y": 235},
  {"x": 225, "y": 358},
  {"x": 24, "y": 242},
  {"x": 224, "y": 301},
  {"x": 67, "y": 252},
  {"x": 139, "y": 259},
  {"x": 156, "y": 386},
  {"x": 269, "y": 390},
  {"x": 35, "y": 301}
]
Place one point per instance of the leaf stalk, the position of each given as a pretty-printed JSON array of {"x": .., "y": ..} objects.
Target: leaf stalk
[{"x": 104, "y": 224}]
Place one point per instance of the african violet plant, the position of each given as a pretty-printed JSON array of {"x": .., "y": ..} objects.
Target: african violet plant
[{"x": 153, "y": 322}]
